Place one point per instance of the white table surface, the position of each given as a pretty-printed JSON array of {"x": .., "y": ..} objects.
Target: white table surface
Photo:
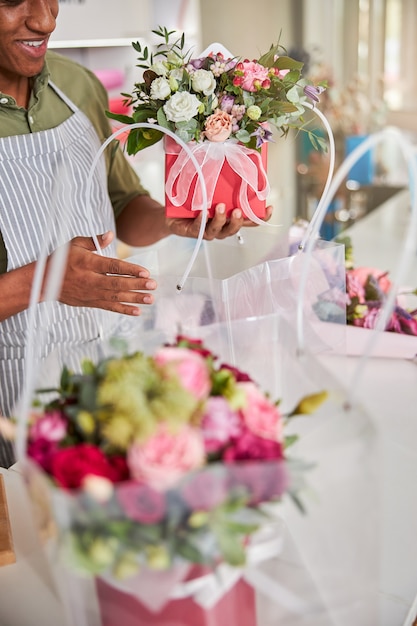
[{"x": 388, "y": 390}]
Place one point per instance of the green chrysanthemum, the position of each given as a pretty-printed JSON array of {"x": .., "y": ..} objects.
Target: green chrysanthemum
[{"x": 137, "y": 396}]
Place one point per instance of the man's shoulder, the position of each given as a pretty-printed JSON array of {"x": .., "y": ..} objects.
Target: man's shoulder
[{"x": 72, "y": 77}]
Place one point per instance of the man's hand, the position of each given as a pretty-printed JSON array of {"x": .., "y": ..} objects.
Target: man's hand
[
  {"x": 217, "y": 227},
  {"x": 93, "y": 280}
]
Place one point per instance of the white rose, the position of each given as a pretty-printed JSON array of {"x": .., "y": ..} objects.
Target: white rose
[
  {"x": 160, "y": 89},
  {"x": 159, "y": 68},
  {"x": 181, "y": 107},
  {"x": 203, "y": 81}
]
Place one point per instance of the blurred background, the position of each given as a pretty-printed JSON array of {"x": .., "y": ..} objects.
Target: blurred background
[{"x": 364, "y": 48}]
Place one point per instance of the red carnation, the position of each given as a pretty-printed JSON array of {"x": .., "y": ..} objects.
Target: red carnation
[{"x": 69, "y": 466}]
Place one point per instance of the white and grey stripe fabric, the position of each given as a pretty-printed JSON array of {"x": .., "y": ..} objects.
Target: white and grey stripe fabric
[{"x": 43, "y": 204}]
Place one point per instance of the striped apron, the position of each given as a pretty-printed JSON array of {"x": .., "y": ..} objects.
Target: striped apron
[{"x": 43, "y": 202}]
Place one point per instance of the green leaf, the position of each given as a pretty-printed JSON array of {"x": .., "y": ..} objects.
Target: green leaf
[
  {"x": 142, "y": 115},
  {"x": 231, "y": 548},
  {"x": 88, "y": 395},
  {"x": 243, "y": 136},
  {"x": 293, "y": 95},
  {"x": 88, "y": 368},
  {"x": 124, "y": 119},
  {"x": 140, "y": 138},
  {"x": 65, "y": 377},
  {"x": 289, "y": 440},
  {"x": 162, "y": 119},
  {"x": 288, "y": 63}
]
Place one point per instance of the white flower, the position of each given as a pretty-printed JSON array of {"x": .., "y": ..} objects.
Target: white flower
[
  {"x": 98, "y": 487},
  {"x": 203, "y": 81},
  {"x": 181, "y": 107},
  {"x": 160, "y": 89},
  {"x": 159, "y": 68}
]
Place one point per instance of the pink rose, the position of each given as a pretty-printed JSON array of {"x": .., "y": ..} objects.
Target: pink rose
[
  {"x": 141, "y": 503},
  {"x": 166, "y": 457},
  {"x": 49, "y": 426},
  {"x": 190, "y": 367},
  {"x": 254, "y": 75},
  {"x": 69, "y": 466},
  {"x": 356, "y": 280},
  {"x": 219, "y": 424},
  {"x": 218, "y": 127},
  {"x": 260, "y": 415}
]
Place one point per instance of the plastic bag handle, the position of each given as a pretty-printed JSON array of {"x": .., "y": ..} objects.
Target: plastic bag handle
[{"x": 184, "y": 146}]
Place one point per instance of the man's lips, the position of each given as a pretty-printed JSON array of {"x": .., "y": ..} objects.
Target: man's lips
[{"x": 34, "y": 47}]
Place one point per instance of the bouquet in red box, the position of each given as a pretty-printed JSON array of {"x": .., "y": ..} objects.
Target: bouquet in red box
[
  {"x": 223, "y": 108},
  {"x": 156, "y": 465}
]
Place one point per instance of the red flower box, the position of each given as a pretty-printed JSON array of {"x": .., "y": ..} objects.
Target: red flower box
[
  {"x": 234, "y": 175},
  {"x": 237, "y": 606}
]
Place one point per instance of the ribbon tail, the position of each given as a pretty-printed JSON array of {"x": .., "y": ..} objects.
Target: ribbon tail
[
  {"x": 214, "y": 157},
  {"x": 252, "y": 175}
]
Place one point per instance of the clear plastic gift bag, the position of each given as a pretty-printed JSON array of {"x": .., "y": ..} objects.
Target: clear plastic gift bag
[{"x": 333, "y": 550}]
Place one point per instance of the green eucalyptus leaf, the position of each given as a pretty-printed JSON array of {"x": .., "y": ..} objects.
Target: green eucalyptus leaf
[
  {"x": 231, "y": 548},
  {"x": 243, "y": 136}
]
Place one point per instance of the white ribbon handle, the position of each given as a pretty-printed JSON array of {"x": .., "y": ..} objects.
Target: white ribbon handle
[{"x": 197, "y": 167}]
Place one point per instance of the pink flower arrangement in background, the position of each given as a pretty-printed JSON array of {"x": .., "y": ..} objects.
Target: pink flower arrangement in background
[
  {"x": 163, "y": 456},
  {"x": 367, "y": 289}
]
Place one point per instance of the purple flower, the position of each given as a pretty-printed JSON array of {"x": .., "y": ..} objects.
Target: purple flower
[
  {"x": 262, "y": 135},
  {"x": 197, "y": 64},
  {"x": 226, "y": 103},
  {"x": 313, "y": 92}
]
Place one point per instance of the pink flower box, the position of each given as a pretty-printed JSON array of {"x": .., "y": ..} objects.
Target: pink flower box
[
  {"x": 237, "y": 606},
  {"x": 233, "y": 174}
]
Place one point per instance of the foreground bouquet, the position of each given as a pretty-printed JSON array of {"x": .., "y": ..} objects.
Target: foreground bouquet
[
  {"x": 216, "y": 98},
  {"x": 163, "y": 458}
]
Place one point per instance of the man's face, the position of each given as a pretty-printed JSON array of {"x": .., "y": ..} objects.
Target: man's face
[{"x": 25, "y": 27}]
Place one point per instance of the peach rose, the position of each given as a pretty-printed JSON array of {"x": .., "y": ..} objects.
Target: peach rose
[{"x": 218, "y": 126}]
